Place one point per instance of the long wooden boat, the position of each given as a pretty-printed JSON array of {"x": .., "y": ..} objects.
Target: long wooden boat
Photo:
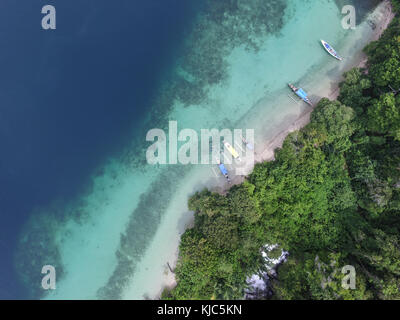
[
  {"x": 232, "y": 150},
  {"x": 330, "y": 50},
  {"x": 301, "y": 93}
]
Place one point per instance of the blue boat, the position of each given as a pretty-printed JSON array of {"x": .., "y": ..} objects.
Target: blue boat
[
  {"x": 301, "y": 93},
  {"x": 224, "y": 171}
]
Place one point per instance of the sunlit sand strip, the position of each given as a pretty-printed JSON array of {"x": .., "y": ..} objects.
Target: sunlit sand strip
[{"x": 327, "y": 85}]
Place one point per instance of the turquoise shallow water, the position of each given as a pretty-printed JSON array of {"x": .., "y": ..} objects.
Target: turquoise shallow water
[{"x": 116, "y": 238}]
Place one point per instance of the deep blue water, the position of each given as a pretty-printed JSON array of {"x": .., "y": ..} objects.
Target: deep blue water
[{"x": 70, "y": 97}]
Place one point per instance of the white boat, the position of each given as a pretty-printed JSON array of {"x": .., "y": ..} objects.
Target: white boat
[{"x": 330, "y": 50}]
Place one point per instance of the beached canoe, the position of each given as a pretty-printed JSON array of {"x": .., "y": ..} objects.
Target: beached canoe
[
  {"x": 330, "y": 50},
  {"x": 232, "y": 150},
  {"x": 301, "y": 93},
  {"x": 248, "y": 144}
]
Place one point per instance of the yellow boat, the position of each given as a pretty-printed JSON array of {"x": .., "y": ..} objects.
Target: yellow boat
[{"x": 232, "y": 150}]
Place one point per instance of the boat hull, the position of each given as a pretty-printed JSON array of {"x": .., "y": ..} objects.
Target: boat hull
[
  {"x": 231, "y": 150},
  {"x": 330, "y": 50}
]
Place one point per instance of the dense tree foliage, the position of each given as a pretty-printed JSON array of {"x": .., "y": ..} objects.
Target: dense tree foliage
[{"x": 331, "y": 198}]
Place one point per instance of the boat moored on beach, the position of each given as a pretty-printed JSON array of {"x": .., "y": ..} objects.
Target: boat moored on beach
[
  {"x": 247, "y": 144},
  {"x": 301, "y": 93},
  {"x": 330, "y": 50},
  {"x": 232, "y": 150},
  {"x": 224, "y": 171}
]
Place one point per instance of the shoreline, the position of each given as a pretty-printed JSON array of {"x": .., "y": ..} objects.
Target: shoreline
[
  {"x": 268, "y": 153},
  {"x": 267, "y": 149}
]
